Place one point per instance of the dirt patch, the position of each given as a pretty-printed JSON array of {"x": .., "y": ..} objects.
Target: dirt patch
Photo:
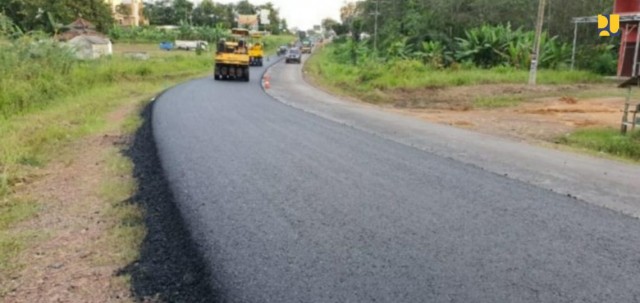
[
  {"x": 62, "y": 268},
  {"x": 535, "y": 118},
  {"x": 80, "y": 251},
  {"x": 462, "y": 98}
]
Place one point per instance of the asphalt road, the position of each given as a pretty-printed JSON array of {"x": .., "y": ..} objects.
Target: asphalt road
[{"x": 287, "y": 206}]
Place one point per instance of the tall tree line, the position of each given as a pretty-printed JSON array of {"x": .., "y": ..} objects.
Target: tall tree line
[
  {"x": 209, "y": 13},
  {"x": 47, "y": 15},
  {"x": 420, "y": 18}
]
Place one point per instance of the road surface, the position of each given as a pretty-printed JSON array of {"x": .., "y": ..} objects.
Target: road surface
[{"x": 288, "y": 206}]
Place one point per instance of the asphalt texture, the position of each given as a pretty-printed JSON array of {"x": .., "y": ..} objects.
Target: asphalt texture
[
  {"x": 608, "y": 183},
  {"x": 170, "y": 266},
  {"x": 287, "y": 206}
]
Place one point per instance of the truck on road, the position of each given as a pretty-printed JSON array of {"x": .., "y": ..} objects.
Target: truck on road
[{"x": 306, "y": 47}]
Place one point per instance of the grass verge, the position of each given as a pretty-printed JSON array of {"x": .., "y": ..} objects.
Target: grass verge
[
  {"x": 326, "y": 66},
  {"x": 11, "y": 243},
  {"x": 126, "y": 229},
  {"x": 36, "y": 133},
  {"x": 606, "y": 140}
]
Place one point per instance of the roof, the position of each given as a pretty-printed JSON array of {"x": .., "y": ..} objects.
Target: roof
[
  {"x": 626, "y": 17},
  {"x": 633, "y": 81},
  {"x": 247, "y": 20},
  {"x": 81, "y": 24},
  {"x": 80, "y": 27}
]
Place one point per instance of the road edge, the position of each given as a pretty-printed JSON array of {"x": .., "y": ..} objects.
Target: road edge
[{"x": 170, "y": 268}]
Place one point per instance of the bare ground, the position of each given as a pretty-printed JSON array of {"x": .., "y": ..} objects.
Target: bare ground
[
  {"x": 72, "y": 261},
  {"x": 544, "y": 113}
]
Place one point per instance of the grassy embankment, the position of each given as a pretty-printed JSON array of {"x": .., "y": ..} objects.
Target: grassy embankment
[
  {"x": 49, "y": 100},
  {"x": 604, "y": 140},
  {"x": 386, "y": 83},
  {"x": 377, "y": 82}
]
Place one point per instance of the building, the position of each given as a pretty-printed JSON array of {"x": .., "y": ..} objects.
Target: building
[
  {"x": 90, "y": 47},
  {"x": 86, "y": 42},
  {"x": 80, "y": 27},
  {"x": 248, "y": 21},
  {"x": 128, "y": 12}
]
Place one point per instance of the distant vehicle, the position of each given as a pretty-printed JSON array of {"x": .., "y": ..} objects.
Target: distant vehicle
[
  {"x": 306, "y": 47},
  {"x": 191, "y": 44},
  {"x": 256, "y": 50},
  {"x": 294, "y": 56},
  {"x": 166, "y": 45},
  {"x": 282, "y": 50}
]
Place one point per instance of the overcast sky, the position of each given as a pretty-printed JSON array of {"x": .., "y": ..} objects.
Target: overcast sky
[{"x": 303, "y": 14}]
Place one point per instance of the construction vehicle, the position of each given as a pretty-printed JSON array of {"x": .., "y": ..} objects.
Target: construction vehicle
[
  {"x": 256, "y": 50},
  {"x": 232, "y": 57},
  {"x": 306, "y": 47}
]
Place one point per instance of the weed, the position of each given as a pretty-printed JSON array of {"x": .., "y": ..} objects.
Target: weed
[
  {"x": 126, "y": 219},
  {"x": 606, "y": 141},
  {"x": 12, "y": 242}
]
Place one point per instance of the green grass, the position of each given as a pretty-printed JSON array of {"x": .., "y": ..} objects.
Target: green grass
[
  {"x": 496, "y": 102},
  {"x": 127, "y": 229},
  {"x": 43, "y": 110},
  {"x": 273, "y": 42},
  {"x": 325, "y": 67},
  {"x": 12, "y": 242},
  {"x": 608, "y": 141}
]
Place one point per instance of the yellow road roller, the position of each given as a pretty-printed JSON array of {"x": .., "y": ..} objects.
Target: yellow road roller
[{"x": 232, "y": 57}]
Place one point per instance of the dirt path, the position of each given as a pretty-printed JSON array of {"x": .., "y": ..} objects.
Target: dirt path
[
  {"x": 543, "y": 119},
  {"x": 73, "y": 259}
]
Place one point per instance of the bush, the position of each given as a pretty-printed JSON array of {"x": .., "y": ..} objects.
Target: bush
[
  {"x": 601, "y": 59},
  {"x": 36, "y": 71},
  {"x": 490, "y": 46},
  {"x": 150, "y": 34}
]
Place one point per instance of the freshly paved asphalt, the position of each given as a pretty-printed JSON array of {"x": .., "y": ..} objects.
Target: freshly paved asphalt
[{"x": 290, "y": 207}]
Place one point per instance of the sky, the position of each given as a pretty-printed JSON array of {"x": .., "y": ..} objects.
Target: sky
[{"x": 303, "y": 14}]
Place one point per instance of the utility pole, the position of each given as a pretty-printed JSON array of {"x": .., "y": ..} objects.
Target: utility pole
[
  {"x": 375, "y": 27},
  {"x": 533, "y": 72}
]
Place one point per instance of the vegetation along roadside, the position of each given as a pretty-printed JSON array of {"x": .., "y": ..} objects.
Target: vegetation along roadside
[
  {"x": 65, "y": 212},
  {"x": 478, "y": 81}
]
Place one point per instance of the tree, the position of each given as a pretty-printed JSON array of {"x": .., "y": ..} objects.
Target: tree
[
  {"x": 284, "y": 27},
  {"x": 274, "y": 18},
  {"x": 32, "y": 15},
  {"x": 160, "y": 12},
  {"x": 183, "y": 11},
  {"x": 206, "y": 13},
  {"x": 329, "y": 24},
  {"x": 244, "y": 7},
  {"x": 123, "y": 9}
]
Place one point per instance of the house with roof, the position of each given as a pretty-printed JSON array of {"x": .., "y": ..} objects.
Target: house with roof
[
  {"x": 248, "y": 21},
  {"x": 87, "y": 43}
]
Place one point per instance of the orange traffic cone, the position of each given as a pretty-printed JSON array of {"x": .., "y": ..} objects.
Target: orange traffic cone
[{"x": 267, "y": 81}]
